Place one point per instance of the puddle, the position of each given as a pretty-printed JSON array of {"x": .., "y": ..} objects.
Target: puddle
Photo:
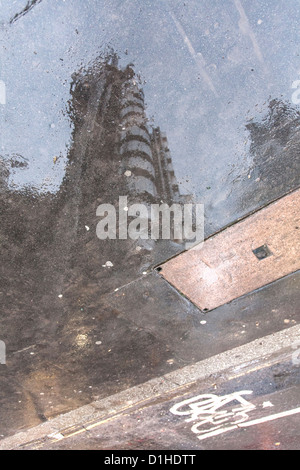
[{"x": 101, "y": 100}]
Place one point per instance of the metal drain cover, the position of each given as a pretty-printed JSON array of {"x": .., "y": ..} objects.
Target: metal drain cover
[{"x": 246, "y": 256}]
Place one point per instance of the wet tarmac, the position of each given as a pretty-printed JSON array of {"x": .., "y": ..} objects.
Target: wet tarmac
[
  {"x": 255, "y": 411},
  {"x": 244, "y": 399},
  {"x": 183, "y": 102}
]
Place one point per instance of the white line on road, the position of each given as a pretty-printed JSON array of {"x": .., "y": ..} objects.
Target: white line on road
[
  {"x": 254, "y": 422},
  {"x": 283, "y": 414}
]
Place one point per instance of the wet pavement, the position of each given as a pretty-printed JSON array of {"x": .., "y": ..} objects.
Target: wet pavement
[
  {"x": 246, "y": 398},
  {"x": 180, "y": 102},
  {"x": 255, "y": 411}
]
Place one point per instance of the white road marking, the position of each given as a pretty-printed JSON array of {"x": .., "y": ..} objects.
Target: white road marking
[{"x": 254, "y": 422}]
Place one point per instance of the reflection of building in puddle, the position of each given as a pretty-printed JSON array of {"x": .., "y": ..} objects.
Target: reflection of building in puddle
[
  {"x": 275, "y": 145},
  {"x": 116, "y": 152},
  {"x": 146, "y": 158},
  {"x": 56, "y": 273},
  {"x": 274, "y": 163},
  {"x": 109, "y": 101}
]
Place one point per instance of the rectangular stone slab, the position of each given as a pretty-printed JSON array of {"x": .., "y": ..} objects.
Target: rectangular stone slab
[{"x": 248, "y": 255}]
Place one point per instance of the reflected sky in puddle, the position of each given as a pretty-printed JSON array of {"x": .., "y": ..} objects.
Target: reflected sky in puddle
[
  {"x": 218, "y": 79},
  {"x": 207, "y": 71}
]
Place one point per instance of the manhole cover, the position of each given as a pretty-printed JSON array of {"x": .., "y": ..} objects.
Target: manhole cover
[{"x": 246, "y": 256}]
